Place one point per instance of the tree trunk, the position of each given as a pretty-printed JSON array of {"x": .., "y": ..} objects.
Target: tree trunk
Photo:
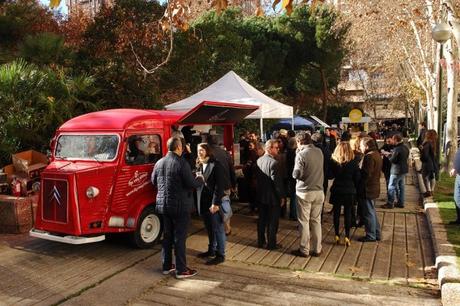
[
  {"x": 324, "y": 93},
  {"x": 452, "y": 96}
]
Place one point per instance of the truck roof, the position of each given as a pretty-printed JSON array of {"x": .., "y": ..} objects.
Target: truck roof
[{"x": 118, "y": 119}]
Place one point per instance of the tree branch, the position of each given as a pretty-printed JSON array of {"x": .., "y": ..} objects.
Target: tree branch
[{"x": 171, "y": 44}]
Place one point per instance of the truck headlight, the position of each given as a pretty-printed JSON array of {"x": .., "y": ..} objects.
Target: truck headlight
[{"x": 92, "y": 192}]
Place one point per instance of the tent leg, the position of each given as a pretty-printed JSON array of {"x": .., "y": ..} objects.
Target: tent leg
[
  {"x": 262, "y": 129},
  {"x": 292, "y": 120}
]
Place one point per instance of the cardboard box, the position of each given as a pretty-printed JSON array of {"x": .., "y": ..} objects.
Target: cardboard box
[
  {"x": 28, "y": 161},
  {"x": 26, "y": 164}
]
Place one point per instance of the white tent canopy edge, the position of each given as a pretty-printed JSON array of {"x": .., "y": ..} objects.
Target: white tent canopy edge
[{"x": 231, "y": 88}]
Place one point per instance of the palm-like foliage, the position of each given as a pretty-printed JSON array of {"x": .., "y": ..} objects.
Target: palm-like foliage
[{"x": 35, "y": 101}]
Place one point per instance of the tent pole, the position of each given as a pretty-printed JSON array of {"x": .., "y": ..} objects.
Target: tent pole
[
  {"x": 261, "y": 128},
  {"x": 292, "y": 120}
]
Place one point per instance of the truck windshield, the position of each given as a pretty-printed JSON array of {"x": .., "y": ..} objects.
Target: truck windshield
[{"x": 90, "y": 147}]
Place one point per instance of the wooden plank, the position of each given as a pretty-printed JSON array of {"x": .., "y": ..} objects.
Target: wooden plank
[
  {"x": 292, "y": 243},
  {"x": 335, "y": 256},
  {"x": 250, "y": 248},
  {"x": 273, "y": 255},
  {"x": 314, "y": 264},
  {"x": 426, "y": 245},
  {"x": 414, "y": 255},
  {"x": 398, "y": 270},
  {"x": 382, "y": 261}
]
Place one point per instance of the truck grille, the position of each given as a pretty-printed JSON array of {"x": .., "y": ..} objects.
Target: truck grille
[{"x": 55, "y": 198}]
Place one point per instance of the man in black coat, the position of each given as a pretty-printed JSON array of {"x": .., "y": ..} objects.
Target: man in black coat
[
  {"x": 174, "y": 181},
  {"x": 270, "y": 195},
  {"x": 398, "y": 171}
]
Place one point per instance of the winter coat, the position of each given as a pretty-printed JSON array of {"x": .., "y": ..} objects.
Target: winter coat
[
  {"x": 399, "y": 159},
  {"x": 429, "y": 163},
  {"x": 213, "y": 190},
  {"x": 175, "y": 182},
  {"x": 370, "y": 174},
  {"x": 346, "y": 179},
  {"x": 270, "y": 187}
]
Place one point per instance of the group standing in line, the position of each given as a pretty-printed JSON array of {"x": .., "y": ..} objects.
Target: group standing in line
[{"x": 297, "y": 167}]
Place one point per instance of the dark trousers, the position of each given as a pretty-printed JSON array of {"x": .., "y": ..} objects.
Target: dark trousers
[
  {"x": 175, "y": 233},
  {"x": 268, "y": 224},
  {"x": 347, "y": 207}
]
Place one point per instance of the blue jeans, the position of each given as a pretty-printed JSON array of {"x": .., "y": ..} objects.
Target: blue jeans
[
  {"x": 396, "y": 189},
  {"x": 371, "y": 222},
  {"x": 216, "y": 232},
  {"x": 457, "y": 191},
  {"x": 175, "y": 232},
  {"x": 457, "y": 196}
]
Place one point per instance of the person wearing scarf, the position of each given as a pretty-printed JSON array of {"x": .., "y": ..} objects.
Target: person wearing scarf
[{"x": 211, "y": 199}]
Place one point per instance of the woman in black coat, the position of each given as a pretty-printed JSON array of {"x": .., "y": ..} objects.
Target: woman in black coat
[
  {"x": 346, "y": 173},
  {"x": 428, "y": 156},
  {"x": 211, "y": 199}
]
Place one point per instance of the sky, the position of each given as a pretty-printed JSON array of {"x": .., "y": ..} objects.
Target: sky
[{"x": 62, "y": 7}]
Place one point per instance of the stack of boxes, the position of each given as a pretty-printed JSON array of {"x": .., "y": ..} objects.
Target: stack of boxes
[{"x": 17, "y": 214}]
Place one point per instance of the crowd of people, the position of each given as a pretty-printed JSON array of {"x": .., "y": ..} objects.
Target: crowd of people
[{"x": 287, "y": 176}]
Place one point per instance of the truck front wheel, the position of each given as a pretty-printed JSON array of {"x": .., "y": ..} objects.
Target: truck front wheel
[{"x": 148, "y": 229}]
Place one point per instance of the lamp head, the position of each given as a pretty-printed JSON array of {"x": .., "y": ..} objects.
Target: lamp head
[{"x": 441, "y": 32}]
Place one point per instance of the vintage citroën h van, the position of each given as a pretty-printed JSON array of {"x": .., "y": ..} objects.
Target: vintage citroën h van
[{"x": 98, "y": 180}]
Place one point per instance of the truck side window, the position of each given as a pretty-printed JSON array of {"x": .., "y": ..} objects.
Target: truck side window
[{"x": 143, "y": 149}]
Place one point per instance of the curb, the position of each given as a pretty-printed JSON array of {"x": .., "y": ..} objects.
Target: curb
[{"x": 446, "y": 258}]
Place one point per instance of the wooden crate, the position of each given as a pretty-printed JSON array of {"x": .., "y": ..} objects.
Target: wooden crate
[{"x": 16, "y": 214}]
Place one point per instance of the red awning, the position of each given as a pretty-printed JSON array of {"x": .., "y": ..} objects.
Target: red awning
[{"x": 208, "y": 112}]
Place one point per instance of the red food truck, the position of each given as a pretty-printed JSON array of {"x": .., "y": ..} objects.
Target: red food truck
[{"x": 98, "y": 180}]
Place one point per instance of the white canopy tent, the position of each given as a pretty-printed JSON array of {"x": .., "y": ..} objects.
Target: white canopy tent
[{"x": 231, "y": 88}]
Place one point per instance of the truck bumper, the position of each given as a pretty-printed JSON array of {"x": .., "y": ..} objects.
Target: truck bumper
[{"x": 65, "y": 239}]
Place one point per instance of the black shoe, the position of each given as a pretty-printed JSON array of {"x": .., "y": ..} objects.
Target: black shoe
[
  {"x": 388, "y": 206},
  {"x": 275, "y": 247},
  {"x": 399, "y": 206},
  {"x": 315, "y": 254},
  {"x": 206, "y": 254},
  {"x": 366, "y": 239},
  {"x": 216, "y": 260},
  {"x": 298, "y": 253},
  {"x": 261, "y": 245}
]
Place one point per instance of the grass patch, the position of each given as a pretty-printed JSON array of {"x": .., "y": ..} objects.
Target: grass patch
[{"x": 444, "y": 196}]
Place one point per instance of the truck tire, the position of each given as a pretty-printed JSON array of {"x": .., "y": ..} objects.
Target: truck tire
[{"x": 148, "y": 230}]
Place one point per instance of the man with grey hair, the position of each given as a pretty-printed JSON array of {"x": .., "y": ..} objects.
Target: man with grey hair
[
  {"x": 270, "y": 195},
  {"x": 308, "y": 171},
  {"x": 174, "y": 181}
]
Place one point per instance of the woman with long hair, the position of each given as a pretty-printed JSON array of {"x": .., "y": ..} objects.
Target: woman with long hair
[
  {"x": 211, "y": 199},
  {"x": 428, "y": 157},
  {"x": 345, "y": 170}
]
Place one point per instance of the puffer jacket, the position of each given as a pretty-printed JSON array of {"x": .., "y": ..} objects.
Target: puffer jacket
[
  {"x": 175, "y": 182},
  {"x": 399, "y": 159}
]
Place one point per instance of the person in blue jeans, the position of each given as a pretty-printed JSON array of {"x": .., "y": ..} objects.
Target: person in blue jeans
[
  {"x": 456, "y": 171},
  {"x": 211, "y": 199},
  {"x": 370, "y": 188},
  {"x": 399, "y": 169}
]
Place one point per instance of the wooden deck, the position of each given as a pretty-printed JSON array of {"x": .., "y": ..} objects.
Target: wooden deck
[{"x": 404, "y": 255}]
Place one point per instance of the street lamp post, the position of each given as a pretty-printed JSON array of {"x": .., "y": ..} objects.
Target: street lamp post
[{"x": 441, "y": 33}]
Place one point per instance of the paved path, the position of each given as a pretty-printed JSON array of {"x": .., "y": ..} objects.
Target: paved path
[{"x": 38, "y": 272}]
